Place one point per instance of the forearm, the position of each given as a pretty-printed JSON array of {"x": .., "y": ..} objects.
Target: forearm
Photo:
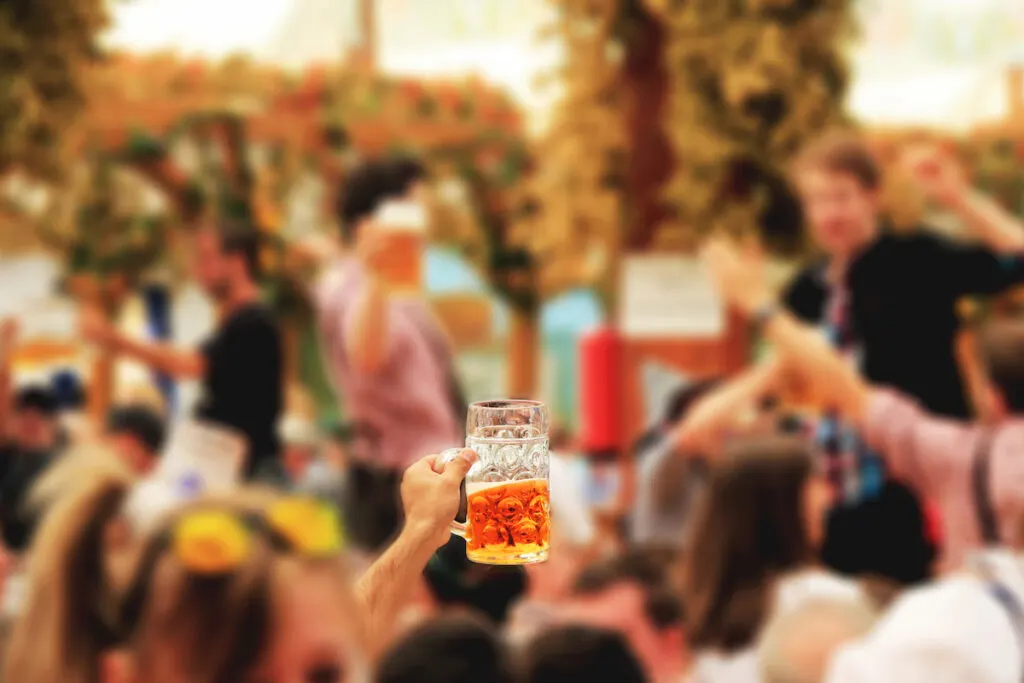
[
  {"x": 720, "y": 409},
  {"x": 367, "y": 334},
  {"x": 829, "y": 375},
  {"x": 389, "y": 584},
  {"x": 995, "y": 227},
  {"x": 180, "y": 363}
]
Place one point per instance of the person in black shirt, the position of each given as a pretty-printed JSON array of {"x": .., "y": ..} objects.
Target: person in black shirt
[
  {"x": 891, "y": 299},
  {"x": 241, "y": 365}
]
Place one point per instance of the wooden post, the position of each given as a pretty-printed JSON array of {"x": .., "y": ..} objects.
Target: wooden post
[
  {"x": 107, "y": 297},
  {"x": 365, "y": 55},
  {"x": 523, "y": 347},
  {"x": 1015, "y": 85}
]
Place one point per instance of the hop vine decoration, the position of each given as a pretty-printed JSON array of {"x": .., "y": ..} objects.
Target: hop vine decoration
[
  {"x": 751, "y": 81},
  {"x": 47, "y": 47},
  {"x": 102, "y": 228},
  {"x": 574, "y": 197}
]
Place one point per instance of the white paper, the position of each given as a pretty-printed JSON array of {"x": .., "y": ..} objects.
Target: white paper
[
  {"x": 665, "y": 296},
  {"x": 198, "y": 459},
  {"x": 202, "y": 458}
]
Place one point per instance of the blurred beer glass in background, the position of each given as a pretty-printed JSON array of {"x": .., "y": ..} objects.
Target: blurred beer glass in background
[
  {"x": 508, "y": 519},
  {"x": 405, "y": 224}
]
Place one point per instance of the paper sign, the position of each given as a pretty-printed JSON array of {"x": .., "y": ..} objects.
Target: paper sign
[
  {"x": 668, "y": 296},
  {"x": 199, "y": 458}
]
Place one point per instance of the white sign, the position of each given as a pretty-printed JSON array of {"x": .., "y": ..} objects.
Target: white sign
[
  {"x": 669, "y": 296},
  {"x": 199, "y": 458}
]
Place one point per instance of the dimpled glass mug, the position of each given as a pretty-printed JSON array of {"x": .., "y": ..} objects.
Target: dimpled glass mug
[{"x": 508, "y": 518}]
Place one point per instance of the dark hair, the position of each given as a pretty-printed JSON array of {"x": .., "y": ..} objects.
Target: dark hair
[
  {"x": 579, "y": 654},
  {"x": 453, "y": 649},
  {"x": 140, "y": 422},
  {"x": 241, "y": 239},
  {"x": 843, "y": 153},
  {"x": 68, "y": 390},
  {"x": 646, "y": 569},
  {"x": 455, "y": 581},
  {"x": 684, "y": 398},
  {"x": 364, "y": 190},
  {"x": 405, "y": 172},
  {"x": 885, "y": 537},
  {"x": 749, "y": 530},
  {"x": 1001, "y": 347},
  {"x": 36, "y": 397}
]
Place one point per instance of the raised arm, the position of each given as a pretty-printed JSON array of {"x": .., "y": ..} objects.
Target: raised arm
[
  {"x": 915, "y": 444},
  {"x": 943, "y": 181},
  {"x": 741, "y": 280},
  {"x": 431, "y": 501},
  {"x": 702, "y": 428},
  {"x": 180, "y": 363}
]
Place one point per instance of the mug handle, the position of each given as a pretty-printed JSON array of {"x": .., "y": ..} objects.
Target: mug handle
[{"x": 446, "y": 456}]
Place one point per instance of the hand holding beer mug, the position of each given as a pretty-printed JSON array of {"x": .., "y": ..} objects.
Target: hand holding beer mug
[{"x": 508, "y": 518}]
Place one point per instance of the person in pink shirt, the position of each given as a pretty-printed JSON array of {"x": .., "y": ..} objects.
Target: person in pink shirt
[
  {"x": 388, "y": 357},
  {"x": 974, "y": 472}
]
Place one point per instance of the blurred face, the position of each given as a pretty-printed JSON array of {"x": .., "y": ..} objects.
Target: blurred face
[
  {"x": 132, "y": 453},
  {"x": 620, "y": 608},
  {"x": 842, "y": 213},
  {"x": 33, "y": 429},
  {"x": 817, "y": 500},
  {"x": 211, "y": 265}
]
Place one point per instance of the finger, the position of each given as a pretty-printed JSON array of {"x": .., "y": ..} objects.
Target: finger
[{"x": 456, "y": 470}]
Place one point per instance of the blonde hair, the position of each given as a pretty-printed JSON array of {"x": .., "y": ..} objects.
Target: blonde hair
[
  {"x": 77, "y": 608},
  {"x": 796, "y": 646}
]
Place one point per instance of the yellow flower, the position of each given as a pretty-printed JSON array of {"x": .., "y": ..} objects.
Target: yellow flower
[
  {"x": 211, "y": 542},
  {"x": 312, "y": 527}
]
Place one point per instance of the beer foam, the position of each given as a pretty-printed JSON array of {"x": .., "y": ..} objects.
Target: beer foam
[
  {"x": 401, "y": 216},
  {"x": 478, "y": 486}
]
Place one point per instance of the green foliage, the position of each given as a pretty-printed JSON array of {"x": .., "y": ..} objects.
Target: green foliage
[
  {"x": 751, "y": 81},
  {"x": 46, "y": 47}
]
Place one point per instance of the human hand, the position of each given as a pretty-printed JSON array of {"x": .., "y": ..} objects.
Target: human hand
[
  {"x": 430, "y": 495},
  {"x": 937, "y": 174},
  {"x": 739, "y": 274}
]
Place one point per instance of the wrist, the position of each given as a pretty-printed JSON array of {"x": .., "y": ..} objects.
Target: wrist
[{"x": 419, "y": 536}]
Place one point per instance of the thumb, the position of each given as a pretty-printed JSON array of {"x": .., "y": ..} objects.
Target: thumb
[{"x": 456, "y": 470}]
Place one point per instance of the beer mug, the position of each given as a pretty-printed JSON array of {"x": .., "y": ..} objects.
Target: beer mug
[{"x": 508, "y": 518}]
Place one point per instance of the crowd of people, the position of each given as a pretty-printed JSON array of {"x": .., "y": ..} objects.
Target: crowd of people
[{"x": 832, "y": 514}]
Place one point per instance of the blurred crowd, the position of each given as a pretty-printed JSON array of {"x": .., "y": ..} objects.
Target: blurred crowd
[{"x": 833, "y": 513}]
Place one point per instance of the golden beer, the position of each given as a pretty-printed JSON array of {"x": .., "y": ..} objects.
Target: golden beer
[
  {"x": 508, "y": 522},
  {"x": 402, "y": 265}
]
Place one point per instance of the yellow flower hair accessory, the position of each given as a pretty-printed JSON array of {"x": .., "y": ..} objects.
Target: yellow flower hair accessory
[
  {"x": 211, "y": 542},
  {"x": 312, "y": 527}
]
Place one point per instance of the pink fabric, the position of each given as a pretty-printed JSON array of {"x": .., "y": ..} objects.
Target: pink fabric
[
  {"x": 407, "y": 400},
  {"x": 934, "y": 455}
]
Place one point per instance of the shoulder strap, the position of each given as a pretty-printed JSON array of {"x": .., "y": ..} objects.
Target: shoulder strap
[
  {"x": 988, "y": 526},
  {"x": 1011, "y": 605}
]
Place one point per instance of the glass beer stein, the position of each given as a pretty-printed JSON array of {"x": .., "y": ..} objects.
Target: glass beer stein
[{"x": 508, "y": 518}]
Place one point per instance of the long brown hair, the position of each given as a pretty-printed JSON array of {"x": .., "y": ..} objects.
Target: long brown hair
[
  {"x": 216, "y": 626},
  {"x": 749, "y": 530}
]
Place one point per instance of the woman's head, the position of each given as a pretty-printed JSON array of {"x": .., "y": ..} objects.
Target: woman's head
[
  {"x": 221, "y": 592},
  {"x": 762, "y": 516}
]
